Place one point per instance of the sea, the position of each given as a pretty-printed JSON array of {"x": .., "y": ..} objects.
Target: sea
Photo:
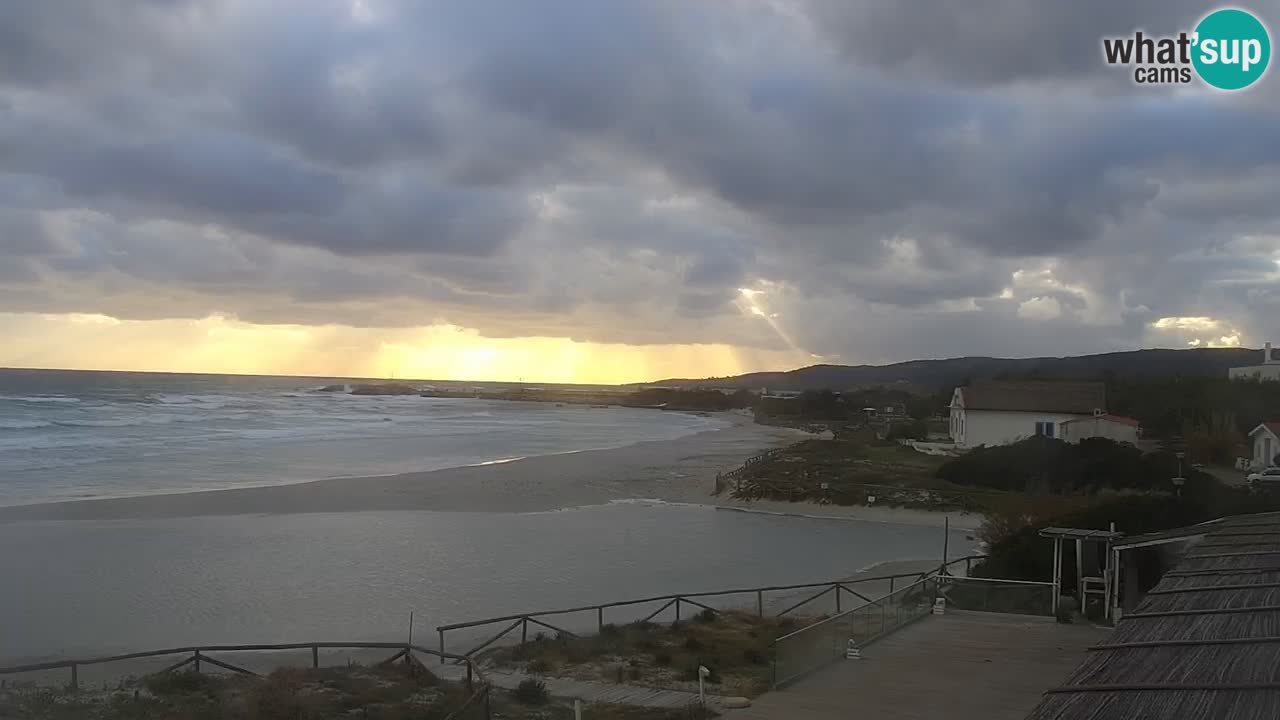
[
  {"x": 81, "y": 588},
  {"x": 75, "y": 435}
]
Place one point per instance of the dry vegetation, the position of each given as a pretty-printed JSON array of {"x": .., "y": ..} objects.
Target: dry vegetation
[
  {"x": 381, "y": 693},
  {"x": 853, "y": 470},
  {"x": 735, "y": 646}
]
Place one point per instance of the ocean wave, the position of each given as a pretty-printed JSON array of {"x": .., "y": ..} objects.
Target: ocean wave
[
  {"x": 164, "y": 419},
  {"x": 23, "y": 424},
  {"x": 39, "y": 398}
]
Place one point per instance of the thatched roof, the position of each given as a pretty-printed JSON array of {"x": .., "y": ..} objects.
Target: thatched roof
[
  {"x": 1079, "y": 398},
  {"x": 1205, "y": 643}
]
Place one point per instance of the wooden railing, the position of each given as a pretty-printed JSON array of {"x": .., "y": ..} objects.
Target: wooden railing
[
  {"x": 476, "y": 685},
  {"x": 731, "y": 476},
  {"x": 837, "y": 588}
]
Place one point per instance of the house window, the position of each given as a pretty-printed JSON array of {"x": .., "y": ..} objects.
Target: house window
[{"x": 1045, "y": 428}]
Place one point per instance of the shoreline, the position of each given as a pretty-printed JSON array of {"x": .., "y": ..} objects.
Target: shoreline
[{"x": 679, "y": 471}]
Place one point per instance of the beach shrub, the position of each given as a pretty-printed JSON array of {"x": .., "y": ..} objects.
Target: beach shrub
[
  {"x": 708, "y": 616},
  {"x": 531, "y": 691},
  {"x": 753, "y": 656},
  {"x": 175, "y": 683},
  {"x": 662, "y": 658},
  {"x": 610, "y": 630},
  {"x": 634, "y": 673},
  {"x": 692, "y": 643},
  {"x": 539, "y": 666}
]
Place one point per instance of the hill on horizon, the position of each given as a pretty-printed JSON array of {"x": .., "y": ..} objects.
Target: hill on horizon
[{"x": 1195, "y": 362}]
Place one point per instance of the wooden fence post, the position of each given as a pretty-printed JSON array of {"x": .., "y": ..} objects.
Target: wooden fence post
[
  {"x": 838, "y": 589},
  {"x": 197, "y": 660},
  {"x": 600, "y": 619},
  {"x": 760, "y": 603},
  {"x": 468, "y": 677},
  {"x": 75, "y": 678},
  {"x": 677, "y": 608},
  {"x": 524, "y": 630},
  {"x": 441, "y": 647},
  {"x": 315, "y": 656}
]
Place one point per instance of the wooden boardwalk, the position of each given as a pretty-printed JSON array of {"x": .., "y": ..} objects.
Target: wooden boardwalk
[{"x": 961, "y": 666}]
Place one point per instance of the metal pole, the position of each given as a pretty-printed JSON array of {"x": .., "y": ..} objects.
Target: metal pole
[
  {"x": 1057, "y": 572},
  {"x": 75, "y": 678},
  {"x": 838, "y": 589},
  {"x": 410, "y": 628},
  {"x": 524, "y": 630},
  {"x": 890, "y": 584},
  {"x": 600, "y": 619},
  {"x": 441, "y": 647},
  {"x": 677, "y": 609},
  {"x": 315, "y": 656},
  {"x": 760, "y": 603},
  {"x": 946, "y": 537},
  {"x": 1080, "y": 573},
  {"x": 197, "y": 659}
]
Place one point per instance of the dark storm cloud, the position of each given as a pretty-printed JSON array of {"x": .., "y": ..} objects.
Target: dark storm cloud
[
  {"x": 992, "y": 41},
  {"x": 616, "y": 171}
]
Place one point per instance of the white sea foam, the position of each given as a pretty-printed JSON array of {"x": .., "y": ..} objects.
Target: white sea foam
[{"x": 39, "y": 398}]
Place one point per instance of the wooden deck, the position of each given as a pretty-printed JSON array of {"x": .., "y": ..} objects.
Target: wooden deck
[{"x": 961, "y": 666}]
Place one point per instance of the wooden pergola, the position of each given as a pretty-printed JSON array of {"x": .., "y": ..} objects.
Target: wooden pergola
[{"x": 1103, "y": 582}]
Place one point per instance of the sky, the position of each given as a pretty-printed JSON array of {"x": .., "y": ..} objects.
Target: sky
[{"x": 576, "y": 190}]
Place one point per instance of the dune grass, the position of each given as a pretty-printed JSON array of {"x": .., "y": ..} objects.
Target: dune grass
[
  {"x": 735, "y": 646},
  {"x": 340, "y": 693}
]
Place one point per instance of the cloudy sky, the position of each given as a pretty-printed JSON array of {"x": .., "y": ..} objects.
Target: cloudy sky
[{"x": 617, "y": 191}]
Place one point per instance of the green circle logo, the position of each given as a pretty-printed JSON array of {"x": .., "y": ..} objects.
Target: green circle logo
[{"x": 1232, "y": 49}]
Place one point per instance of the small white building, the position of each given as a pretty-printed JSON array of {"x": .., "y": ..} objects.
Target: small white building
[
  {"x": 1266, "y": 444},
  {"x": 1102, "y": 425},
  {"x": 1268, "y": 370},
  {"x": 1004, "y": 412}
]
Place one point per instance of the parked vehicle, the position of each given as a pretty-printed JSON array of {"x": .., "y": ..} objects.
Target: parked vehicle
[{"x": 1268, "y": 477}]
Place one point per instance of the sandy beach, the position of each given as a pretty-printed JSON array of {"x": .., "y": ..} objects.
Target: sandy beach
[{"x": 678, "y": 471}]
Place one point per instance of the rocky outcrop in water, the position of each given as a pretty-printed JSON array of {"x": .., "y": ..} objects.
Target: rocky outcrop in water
[{"x": 384, "y": 389}]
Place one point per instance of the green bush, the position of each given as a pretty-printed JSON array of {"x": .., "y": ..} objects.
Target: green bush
[{"x": 531, "y": 691}]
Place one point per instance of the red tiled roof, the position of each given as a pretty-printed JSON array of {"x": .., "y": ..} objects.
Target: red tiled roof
[{"x": 1077, "y": 398}]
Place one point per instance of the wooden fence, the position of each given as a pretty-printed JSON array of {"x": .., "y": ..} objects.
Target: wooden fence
[
  {"x": 836, "y": 588},
  {"x": 728, "y": 477},
  {"x": 477, "y": 686}
]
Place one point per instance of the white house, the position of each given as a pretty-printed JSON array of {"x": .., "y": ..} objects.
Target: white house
[
  {"x": 1000, "y": 413},
  {"x": 1268, "y": 370},
  {"x": 1266, "y": 444},
  {"x": 1113, "y": 427}
]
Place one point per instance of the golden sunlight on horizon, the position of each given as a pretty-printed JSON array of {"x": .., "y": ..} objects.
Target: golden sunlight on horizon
[{"x": 443, "y": 352}]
